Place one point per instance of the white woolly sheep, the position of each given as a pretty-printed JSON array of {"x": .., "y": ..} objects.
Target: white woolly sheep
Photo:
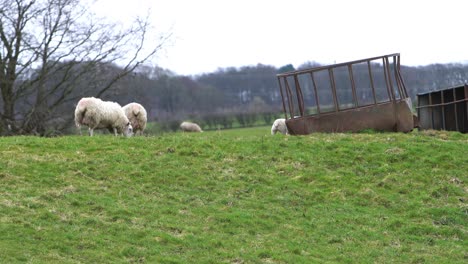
[
  {"x": 279, "y": 126},
  {"x": 137, "y": 116},
  {"x": 190, "y": 127},
  {"x": 97, "y": 114}
]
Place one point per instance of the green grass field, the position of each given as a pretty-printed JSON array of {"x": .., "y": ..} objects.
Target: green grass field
[{"x": 235, "y": 196}]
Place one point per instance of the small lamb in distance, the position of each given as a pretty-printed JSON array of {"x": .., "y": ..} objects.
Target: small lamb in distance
[
  {"x": 190, "y": 127},
  {"x": 137, "y": 116},
  {"x": 279, "y": 126},
  {"x": 96, "y": 114}
]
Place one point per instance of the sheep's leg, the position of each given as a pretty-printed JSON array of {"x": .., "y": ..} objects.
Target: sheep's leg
[
  {"x": 90, "y": 132},
  {"x": 115, "y": 131}
]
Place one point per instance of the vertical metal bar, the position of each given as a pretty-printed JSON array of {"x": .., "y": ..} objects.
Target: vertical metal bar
[
  {"x": 400, "y": 78},
  {"x": 290, "y": 101},
  {"x": 432, "y": 110},
  {"x": 455, "y": 109},
  {"x": 397, "y": 80},
  {"x": 442, "y": 106},
  {"x": 315, "y": 90},
  {"x": 287, "y": 94},
  {"x": 372, "y": 81},
  {"x": 419, "y": 111},
  {"x": 282, "y": 98},
  {"x": 300, "y": 97},
  {"x": 403, "y": 86},
  {"x": 333, "y": 87},
  {"x": 466, "y": 97},
  {"x": 353, "y": 85},
  {"x": 388, "y": 80}
]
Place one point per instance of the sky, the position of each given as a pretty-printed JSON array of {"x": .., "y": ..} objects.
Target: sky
[{"x": 212, "y": 34}]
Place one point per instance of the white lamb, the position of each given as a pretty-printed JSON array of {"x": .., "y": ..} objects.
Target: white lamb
[
  {"x": 190, "y": 127},
  {"x": 137, "y": 116},
  {"x": 97, "y": 114},
  {"x": 279, "y": 126}
]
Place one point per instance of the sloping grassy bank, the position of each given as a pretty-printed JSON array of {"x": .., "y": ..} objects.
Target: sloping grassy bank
[{"x": 239, "y": 196}]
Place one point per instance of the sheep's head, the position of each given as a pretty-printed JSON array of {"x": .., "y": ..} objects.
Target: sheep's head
[{"x": 128, "y": 130}]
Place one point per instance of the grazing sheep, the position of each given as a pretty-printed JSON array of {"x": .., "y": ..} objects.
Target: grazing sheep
[
  {"x": 190, "y": 127},
  {"x": 136, "y": 114},
  {"x": 96, "y": 114},
  {"x": 279, "y": 126}
]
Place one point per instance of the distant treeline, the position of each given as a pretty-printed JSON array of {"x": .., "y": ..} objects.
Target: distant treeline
[
  {"x": 245, "y": 95},
  {"x": 225, "y": 98}
]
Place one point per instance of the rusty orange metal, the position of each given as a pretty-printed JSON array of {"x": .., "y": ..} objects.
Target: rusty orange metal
[{"x": 347, "y": 97}]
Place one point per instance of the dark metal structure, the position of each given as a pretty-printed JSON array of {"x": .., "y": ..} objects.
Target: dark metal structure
[
  {"x": 351, "y": 96},
  {"x": 445, "y": 109}
]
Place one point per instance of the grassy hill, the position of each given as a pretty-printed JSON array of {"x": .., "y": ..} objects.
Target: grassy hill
[{"x": 238, "y": 196}]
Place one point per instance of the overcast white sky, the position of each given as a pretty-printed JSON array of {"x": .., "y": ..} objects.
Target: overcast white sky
[{"x": 212, "y": 34}]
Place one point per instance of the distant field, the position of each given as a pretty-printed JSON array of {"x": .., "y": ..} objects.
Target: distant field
[
  {"x": 235, "y": 196},
  {"x": 245, "y": 132},
  {"x": 157, "y": 128}
]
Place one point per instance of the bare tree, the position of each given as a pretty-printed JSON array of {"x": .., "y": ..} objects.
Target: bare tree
[{"x": 49, "y": 48}]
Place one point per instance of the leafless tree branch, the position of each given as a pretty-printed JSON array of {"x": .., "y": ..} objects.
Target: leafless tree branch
[{"x": 50, "y": 48}]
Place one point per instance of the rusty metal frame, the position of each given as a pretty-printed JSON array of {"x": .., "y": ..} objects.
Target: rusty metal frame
[
  {"x": 392, "y": 114},
  {"x": 450, "y": 114}
]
